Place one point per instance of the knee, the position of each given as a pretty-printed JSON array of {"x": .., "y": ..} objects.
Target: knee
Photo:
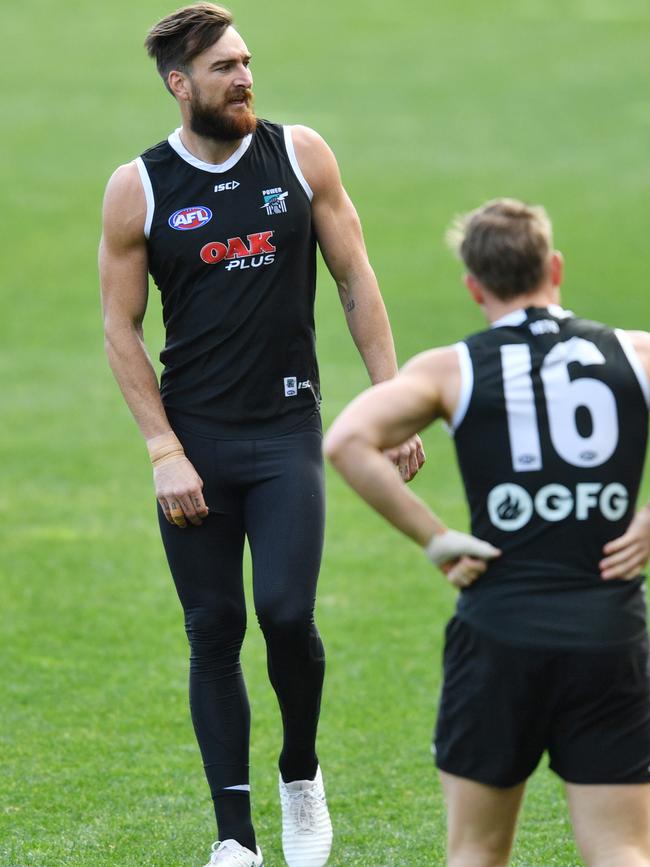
[
  {"x": 283, "y": 621},
  {"x": 214, "y": 629}
]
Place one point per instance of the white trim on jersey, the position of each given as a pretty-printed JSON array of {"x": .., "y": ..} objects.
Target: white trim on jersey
[
  {"x": 518, "y": 317},
  {"x": 293, "y": 159},
  {"x": 216, "y": 168},
  {"x": 635, "y": 362},
  {"x": 148, "y": 192},
  {"x": 466, "y": 384}
]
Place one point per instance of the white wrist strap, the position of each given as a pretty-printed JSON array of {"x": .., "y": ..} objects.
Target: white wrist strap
[{"x": 450, "y": 545}]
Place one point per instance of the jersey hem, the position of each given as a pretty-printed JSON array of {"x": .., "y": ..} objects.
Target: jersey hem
[{"x": 253, "y": 431}]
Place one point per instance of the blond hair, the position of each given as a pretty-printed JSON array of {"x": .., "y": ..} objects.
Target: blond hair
[{"x": 505, "y": 244}]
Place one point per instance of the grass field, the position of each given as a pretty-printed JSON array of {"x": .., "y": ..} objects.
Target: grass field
[{"x": 431, "y": 107}]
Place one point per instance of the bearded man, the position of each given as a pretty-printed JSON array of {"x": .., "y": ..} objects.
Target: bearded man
[{"x": 226, "y": 215}]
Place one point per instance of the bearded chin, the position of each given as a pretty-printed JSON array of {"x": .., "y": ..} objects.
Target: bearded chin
[{"x": 214, "y": 124}]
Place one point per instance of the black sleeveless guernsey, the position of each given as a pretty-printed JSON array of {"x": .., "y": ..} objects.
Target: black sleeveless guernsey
[
  {"x": 551, "y": 433},
  {"x": 232, "y": 249}
]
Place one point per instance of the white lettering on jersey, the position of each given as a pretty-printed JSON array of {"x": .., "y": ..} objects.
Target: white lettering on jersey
[{"x": 511, "y": 507}]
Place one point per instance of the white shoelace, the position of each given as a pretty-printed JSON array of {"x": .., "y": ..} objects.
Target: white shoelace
[{"x": 302, "y": 809}]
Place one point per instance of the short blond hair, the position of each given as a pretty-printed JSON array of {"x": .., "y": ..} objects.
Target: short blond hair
[
  {"x": 505, "y": 244},
  {"x": 176, "y": 40}
]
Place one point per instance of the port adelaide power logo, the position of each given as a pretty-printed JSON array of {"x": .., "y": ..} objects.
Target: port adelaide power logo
[{"x": 275, "y": 201}]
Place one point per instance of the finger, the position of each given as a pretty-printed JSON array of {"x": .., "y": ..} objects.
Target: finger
[
  {"x": 200, "y": 505},
  {"x": 629, "y": 568},
  {"x": 616, "y": 544},
  {"x": 477, "y": 567},
  {"x": 164, "y": 505},
  {"x": 194, "y": 507},
  {"x": 421, "y": 455},
  {"x": 620, "y": 557},
  {"x": 461, "y": 576},
  {"x": 189, "y": 510},
  {"x": 403, "y": 468},
  {"x": 177, "y": 513},
  {"x": 414, "y": 464}
]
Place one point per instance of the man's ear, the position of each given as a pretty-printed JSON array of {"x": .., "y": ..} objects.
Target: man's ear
[
  {"x": 556, "y": 268},
  {"x": 179, "y": 84},
  {"x": 475, "y": 288}
]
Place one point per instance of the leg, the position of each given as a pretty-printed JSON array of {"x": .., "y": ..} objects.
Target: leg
[
  {"x": 611, "y": 823},
  {"x": 600, "y": 747},
  {"x": 480, "y": 821},
  {"x": 206, "y": 564},
  {"x": 284, "y": 522}
]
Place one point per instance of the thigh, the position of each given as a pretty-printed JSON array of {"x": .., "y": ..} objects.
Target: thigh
[
  {"x": 481, "y": 821},
  {"x": 611, "y": 823},
  {"x": 601, "y": 723},
  {"x": 493, "y": 715},
  {"x": 284, "y": 517},
  {"x": 206, "y": 560}
]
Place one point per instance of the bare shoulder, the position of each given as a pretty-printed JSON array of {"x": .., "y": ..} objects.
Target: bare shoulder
[
  {"x": 125, "y": 205},
  {"x": 315, "y": 158},
  {"x": 437, "y": 363},
  {"x": 436, "y": 373}
]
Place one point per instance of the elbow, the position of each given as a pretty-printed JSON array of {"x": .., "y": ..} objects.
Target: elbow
[{"x": 334, "y": 445}]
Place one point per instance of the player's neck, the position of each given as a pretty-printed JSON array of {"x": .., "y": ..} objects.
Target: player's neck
[
  {"x": 495, "y": 308},
  {"x": 208, "y": 150}
]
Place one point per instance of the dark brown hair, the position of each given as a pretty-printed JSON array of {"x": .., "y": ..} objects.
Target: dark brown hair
[
  {"x": 176, "y": 40},
  {"x": 505, "y": 244}
]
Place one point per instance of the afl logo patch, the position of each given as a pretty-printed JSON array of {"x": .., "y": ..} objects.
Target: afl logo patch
[{"x": 190, "y": 218}]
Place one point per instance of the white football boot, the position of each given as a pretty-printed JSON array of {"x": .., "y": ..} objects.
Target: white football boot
[
  {"x": 306, "y": 825},
  {"x": 230, "y": 853}
]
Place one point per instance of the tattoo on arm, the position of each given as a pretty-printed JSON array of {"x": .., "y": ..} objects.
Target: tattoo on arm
[{"x": 349, "y": 307}]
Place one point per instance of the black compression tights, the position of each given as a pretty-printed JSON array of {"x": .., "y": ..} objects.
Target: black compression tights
[{"x": 270, "y": 491}]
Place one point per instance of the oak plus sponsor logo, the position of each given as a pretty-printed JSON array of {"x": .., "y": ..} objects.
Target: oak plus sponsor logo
[
  {"x": 275, "y": 201},
  {"x": 236, "y": 253},
  {"x": 511, "y": 507},
  {"x": 193, "y": 217}
]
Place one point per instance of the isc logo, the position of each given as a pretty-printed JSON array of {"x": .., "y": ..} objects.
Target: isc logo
[{"x": 190, "y": 218}]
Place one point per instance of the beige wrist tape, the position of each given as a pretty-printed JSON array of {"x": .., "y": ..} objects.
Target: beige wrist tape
[{"x": 164, "y": 449}]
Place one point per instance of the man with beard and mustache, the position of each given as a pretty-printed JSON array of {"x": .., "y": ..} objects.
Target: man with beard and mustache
[{"x": 225, "y": 215}]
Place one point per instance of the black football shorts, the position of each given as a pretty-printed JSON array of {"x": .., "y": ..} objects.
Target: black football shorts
[{"x": 502, "y": 706}]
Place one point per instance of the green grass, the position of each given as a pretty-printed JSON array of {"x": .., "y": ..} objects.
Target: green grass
[{"x": 431, "y": 108}]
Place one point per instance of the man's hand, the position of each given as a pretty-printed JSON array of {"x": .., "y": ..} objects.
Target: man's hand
[
  {"x": 461, "y": 573},
  {"x": 179, "y": 488},
  {"x": 460, "y": 556},
  {"x": 626, "y": 556},
  {"x": 408, "y": 458}
]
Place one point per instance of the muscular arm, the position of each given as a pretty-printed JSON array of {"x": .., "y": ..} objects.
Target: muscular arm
[
  {"x": 627, "y": 556},
  {"x": 123, "y": 279},
  {"x": 426, "y": 389},
  {"x": 340, "y": 239}
]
